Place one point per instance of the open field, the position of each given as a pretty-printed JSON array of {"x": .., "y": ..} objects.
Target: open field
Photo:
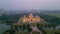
[{"x": 53, "y": 14}]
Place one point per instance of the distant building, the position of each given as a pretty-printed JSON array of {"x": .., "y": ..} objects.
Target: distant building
[{"x": 30, "y": 19}]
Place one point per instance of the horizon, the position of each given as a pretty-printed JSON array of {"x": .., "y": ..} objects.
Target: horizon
[{"x": 30, "y": 4}]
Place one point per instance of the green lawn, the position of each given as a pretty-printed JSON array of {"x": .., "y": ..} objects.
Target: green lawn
[
  {"x": 35, "y": 32},
  {"x": 24, "y": 32}
]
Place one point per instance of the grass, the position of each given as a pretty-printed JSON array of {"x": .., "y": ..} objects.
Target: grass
[
  {"x": 35, "y": 32},
  {"x": 52, "y": 31},
  {"x": 28, "y": 33},
  {"x": 24, "y": 32}
]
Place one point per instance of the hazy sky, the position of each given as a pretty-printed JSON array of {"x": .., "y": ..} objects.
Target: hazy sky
[{"x": 30, "y": 4}]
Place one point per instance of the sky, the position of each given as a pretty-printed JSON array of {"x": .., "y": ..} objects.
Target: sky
[{"x": 30, "y": 4}]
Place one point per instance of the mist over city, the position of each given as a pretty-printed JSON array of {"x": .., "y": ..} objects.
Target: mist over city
[
  {"x": 29, "y": 16},
  {"x": 30, "y": 4}
]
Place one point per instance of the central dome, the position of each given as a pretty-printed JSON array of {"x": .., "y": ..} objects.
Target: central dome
[{"x": 31, "y": 15}]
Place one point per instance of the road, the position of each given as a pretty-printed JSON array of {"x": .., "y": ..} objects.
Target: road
[{"x": 35, "y": 28}]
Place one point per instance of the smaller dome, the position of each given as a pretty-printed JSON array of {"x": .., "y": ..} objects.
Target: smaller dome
[{"x": 24, "y": 16}]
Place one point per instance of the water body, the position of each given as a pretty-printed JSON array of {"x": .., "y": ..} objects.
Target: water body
[
  {"x": 58, "y": 27},
  {"x": 3, "y": 27}
]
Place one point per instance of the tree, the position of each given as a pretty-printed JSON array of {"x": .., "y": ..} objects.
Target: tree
[
  {"x": 9, "y": 32},
  {"x": 20, "y": 26},
  {"x": 45, "y": 26},
  {"x": 53, "y": 25},
  {"x": 28, "y": 28},
  {"x": 11, "y": 26},
  {"x": 49, "y": 25},
  {"x": 4, "y": 33},
  {"x": 16, "y": 27},
  {"x": 40, "y": 26}
]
